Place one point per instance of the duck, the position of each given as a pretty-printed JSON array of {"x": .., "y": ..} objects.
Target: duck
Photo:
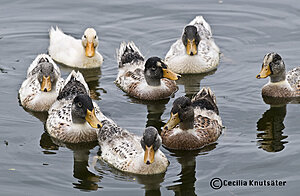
[
  {"x": 74, "y": 117},
  {"x": 196, "y": 51},
  {"x": 281, "y": 84},
  {"x": 144, "y": 79},
  {"x": 130, "y": 153},
  {"x": 73, "y": 52},
  {"x": 41, "y": 87},
  {"x": 194, "y": 123}
]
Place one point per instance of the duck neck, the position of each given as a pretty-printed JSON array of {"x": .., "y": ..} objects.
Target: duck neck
[
  {"x": 152, "y": 81},
  {"x": 278, "y": 77},
  {"x": 187, "y": 124}
]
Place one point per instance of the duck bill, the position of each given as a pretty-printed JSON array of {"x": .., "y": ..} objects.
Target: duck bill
[
  {"x": 149, "y": 155},
  {"x": 167, "y": 73},
  {"x": 92, "y": 119},
  {"x": 173, "y": 121},
  {"x": 265, "y": 72},
  {"x": 46, "y": 84},
  {"x": 90, "y": 49},
  {"x": 191, "y": 47}
]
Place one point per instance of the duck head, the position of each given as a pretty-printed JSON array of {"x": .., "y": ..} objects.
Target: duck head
[
  {"x": 47, "y": 76},
  {"x": 151, "y": 141},
  {"x": 182, "y": 113},
  {"x": 90, "y": 42},
  {"x": 274, "y": 67},
  {"x": 156, "y": 69},
  {"x": 191, "y": 40},
  {"x": 84, "y": 111}
]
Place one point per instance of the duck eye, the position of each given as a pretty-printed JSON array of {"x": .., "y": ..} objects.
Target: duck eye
[
  {"x": 95, "y": 36},
  {"x": 84, "y": 36},
  {"x": 79, "y": 104},
  {"x": 153, "y": 67}
]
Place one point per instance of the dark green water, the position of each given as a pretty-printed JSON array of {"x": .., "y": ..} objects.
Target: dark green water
[{"x": 260, "y": 142}]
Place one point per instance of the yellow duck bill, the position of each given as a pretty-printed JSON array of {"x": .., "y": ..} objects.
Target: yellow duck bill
[
  {"x": 265, "y": 72},
  {"x": 46, "y": 84},
  {"x": 92, "y": 119},
  {"x": 167, "y": 73},
  {"x": 90, "y": 49},
  {"x": 191, "y": 47},
  {"x": 173, "y": 121},
  {"x": 149, "y": 155}
]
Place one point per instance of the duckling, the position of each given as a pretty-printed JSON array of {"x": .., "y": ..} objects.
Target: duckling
[
  {"x": 74, "y": 52},
  {"x": 40, "y": 89},
  {"x": 193, "y": 123},
  {"x": 146, "y": 80},
  {"x": 281, "y": 84},
  {"x": 130, "y": 153},
  {"x": 74, "y": 117},
  {"x": 196, "y": 51}
]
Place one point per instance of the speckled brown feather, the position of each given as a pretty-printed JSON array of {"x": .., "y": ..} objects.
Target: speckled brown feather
[{"x": 207, "y": 131}]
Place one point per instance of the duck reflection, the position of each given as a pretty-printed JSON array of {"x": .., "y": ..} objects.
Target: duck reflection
[
  {"x": 270, "y": 129},
  {"x": 191, "y": 82},
  {"x": 151, "y": 183},
  {"x": 185, "y": 185},
  {"x": 155, "y": 110},
  {"x": 86, "y": 179},
  {"x": 92, "y": 77}
]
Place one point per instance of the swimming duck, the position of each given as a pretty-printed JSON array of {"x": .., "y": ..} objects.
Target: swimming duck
[
  {"x": 146, "y": 80},
  {"x": 193, "y": 123},
  {"x": 281, "y": 84},
  {"x": 196, "y": 51},
  {"x": 40, "y": 89},
  {"x": 130, "y": 153},
  {"x": 74, "y": 117},
  {"x": 74, "y": 52}
]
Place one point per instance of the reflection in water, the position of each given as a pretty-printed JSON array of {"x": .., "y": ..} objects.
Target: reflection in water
[
  {"x": 155, "y": 110},
  {"x": 151, "y": 183},
  {"x": 86, "y": 179},
  {"x": 270, "y": 128},
  {"x": 187, "y": 176},
  {"x": 92, "y": 77},
  {"x": 191, "y": 82}
]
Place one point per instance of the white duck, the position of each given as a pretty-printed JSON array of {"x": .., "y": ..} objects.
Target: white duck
[
  {"x": 196, "y": 51},
  {"x": 40, "y": 89},
  {"x": 74, "y": 52}
]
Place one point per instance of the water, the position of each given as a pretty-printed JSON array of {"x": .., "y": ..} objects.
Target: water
[{"x": 260, "y": 142}]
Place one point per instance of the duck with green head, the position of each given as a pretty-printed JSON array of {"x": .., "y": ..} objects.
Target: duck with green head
[
  {"x": 146, "y": 80},
  {"x": 193, "y": 123}
]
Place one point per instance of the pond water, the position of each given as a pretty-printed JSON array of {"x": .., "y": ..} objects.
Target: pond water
[{"x": 260, "y": 142}]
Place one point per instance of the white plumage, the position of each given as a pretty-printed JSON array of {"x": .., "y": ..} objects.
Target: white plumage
[{"x": 207, "y": 58}]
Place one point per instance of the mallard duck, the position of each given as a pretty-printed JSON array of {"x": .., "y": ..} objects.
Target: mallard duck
[
  {"x": 146, "y": 80},
  {"x": 74, "y": 117},
  {"x": 281, "y": 84},
  {"x": 74, "y": 52},
  {"x": 40, "y": 89},
  {"x": 196, "y": 51},
  {"x": 130, "y": 153},
  {"x": 193, "y": 123}
]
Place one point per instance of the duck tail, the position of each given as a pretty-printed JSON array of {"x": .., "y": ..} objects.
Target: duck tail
[
  {"x": 205, "y": 99},
  {"x": 128, "y": 53},
  {"x": 200, "y": 22},
  {"x": 73, "y": 85}
]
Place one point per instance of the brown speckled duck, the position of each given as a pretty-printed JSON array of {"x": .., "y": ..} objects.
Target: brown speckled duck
[
  {"x": 146, "y": 80},
  {"x": 193, "y": 123},
  {"x": 281, "y": 84}
]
